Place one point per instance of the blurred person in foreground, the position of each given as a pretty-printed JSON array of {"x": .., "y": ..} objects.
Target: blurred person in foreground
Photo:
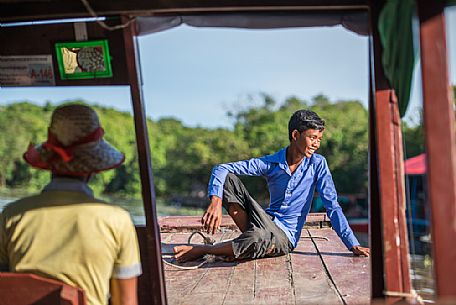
[
  {"x": 292, "y": 174},
  {"x": 64, "y": 233}
]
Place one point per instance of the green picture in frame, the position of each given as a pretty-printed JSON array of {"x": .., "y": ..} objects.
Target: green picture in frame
[{"x": 83, "y": 59}]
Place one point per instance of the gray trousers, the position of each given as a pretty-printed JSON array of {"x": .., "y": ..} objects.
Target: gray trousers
[{"x": 263, "y": 238}]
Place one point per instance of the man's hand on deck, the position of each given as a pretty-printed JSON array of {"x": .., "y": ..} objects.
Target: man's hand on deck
[
  {"x": 212, "y": 218},
  {"x": 360, "y": 251}
]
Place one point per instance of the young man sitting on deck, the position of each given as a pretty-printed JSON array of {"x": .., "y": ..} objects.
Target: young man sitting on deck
[
  {"x": 64, "y": 233},
  {"x": 292, "y": 174}
]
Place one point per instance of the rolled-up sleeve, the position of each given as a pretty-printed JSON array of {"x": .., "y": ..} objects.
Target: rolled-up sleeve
[
  {"x": 251, "y": 167},
  {"x": 128, "y": 262},
  {"x": 328, "y": 194}
]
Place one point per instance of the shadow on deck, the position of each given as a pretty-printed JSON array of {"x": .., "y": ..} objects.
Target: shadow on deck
[{"x": 318, "y": 271}]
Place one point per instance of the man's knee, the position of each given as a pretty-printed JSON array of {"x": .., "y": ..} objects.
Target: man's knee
[
  {"x": 231, "y": 179},
  {"x": 234, "y": 192},
  {"x": 232, "y": 185}
]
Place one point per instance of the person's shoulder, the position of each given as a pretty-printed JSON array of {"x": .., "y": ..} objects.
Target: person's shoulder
[
  {"x": 107, "y": 213},
  {"x": 317, "y": 158},
  {"x": 20, "y": 205},
  {"x": 112, "y": 211},
  {"x": 275, "y": 157},
  {"x": 111, "y": 207}
]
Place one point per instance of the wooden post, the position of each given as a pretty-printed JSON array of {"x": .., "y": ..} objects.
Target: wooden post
[
  {"x": 390, "y": 172},
  {"x": 375, "y": 217},
  {"x": 439, "y": 129},
  {"x": 155, "y": 274}
]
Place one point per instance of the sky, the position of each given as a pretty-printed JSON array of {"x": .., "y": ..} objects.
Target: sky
[{"x": 199, "y": 74}]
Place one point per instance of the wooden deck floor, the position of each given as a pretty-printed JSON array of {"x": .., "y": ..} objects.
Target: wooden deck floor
[{"x": 318, "y": 271}]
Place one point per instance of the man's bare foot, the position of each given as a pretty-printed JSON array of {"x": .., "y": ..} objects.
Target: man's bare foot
[{"x": 188, "y": 253}]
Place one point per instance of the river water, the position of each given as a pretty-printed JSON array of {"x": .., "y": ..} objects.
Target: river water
[
  {"x": 134, "y": 207},
  {"x": 135, "y": 210},
  {"x": 4, "y": 201}
]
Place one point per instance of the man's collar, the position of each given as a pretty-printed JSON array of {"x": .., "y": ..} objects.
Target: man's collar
[
  {"x": 280, "y": 157},
  {"x": 282, "y": 154},
  {"x": 68, "y": 184}
]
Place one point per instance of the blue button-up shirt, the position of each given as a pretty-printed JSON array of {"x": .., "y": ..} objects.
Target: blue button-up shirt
[{"x": 290, "y": 194}]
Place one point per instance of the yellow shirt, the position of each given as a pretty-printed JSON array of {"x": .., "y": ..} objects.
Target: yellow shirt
[{"x": 72, "y": 237}]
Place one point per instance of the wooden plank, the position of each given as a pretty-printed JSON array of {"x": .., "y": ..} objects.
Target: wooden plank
[
  {"x": 144, "y": 280},
  {"x": 440, "y": 143},
  {"x": 157, "y": 290},
  {"x": 317, "y": 220},
  {"x": 206, "y": 284},
  {"x": 29, "y": 289},
  {"x": 176, "y": 239},
  {"x": 241, "y": 287},
  {"x": 299, "y": 278},
  {"x": 193, "y": 223},
  {"x": 273, "y": 281},
  {"x": 212, "y": 288},
  {"x": 180, "y": 282},
  {"x": 349, "y": 273},
  {"x": 317, "y": 217},
  {"x": 393, "y": 276},
  {"x": 400, "y": 222},
  {"x": 375, "y": 219},
  {"x": 311, "y": 284},
  {"x": 54, "y": 9},
  {"x": 190, "y": 223},
  {"x": 390, "y": 176}
]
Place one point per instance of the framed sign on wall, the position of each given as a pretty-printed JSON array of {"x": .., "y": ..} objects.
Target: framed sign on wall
[{"x": 83, "y": 59}]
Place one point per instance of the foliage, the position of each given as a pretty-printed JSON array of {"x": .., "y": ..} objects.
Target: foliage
[
  {"x": 20, "y": 123},
  {"x": 345, "y": 137},
  {"x": 182, "y": 157},
  {"x": 345, "y": 143}
]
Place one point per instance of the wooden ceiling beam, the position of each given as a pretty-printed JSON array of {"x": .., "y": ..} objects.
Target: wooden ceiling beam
[{"x": 12, "y": 11}]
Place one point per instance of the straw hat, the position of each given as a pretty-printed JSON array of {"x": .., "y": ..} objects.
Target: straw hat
[{"x": 75, "y": 144}]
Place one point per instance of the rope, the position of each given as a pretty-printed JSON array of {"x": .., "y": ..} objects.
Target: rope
[
  {"x": 208, "y": 258},
  {"x": 412, "y": 295},
  {"x": 206, "y": 239},
  {"x": 92, "y": 12}
]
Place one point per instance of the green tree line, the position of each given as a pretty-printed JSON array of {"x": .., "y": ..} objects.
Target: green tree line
[{"x": 183, "y": 156}]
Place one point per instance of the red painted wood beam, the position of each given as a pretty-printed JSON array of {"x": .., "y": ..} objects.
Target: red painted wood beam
[
  {"x": 394, "y": 229},
  {"x": 390, "y": 178},
  {"x": 399, "y": 174},
  {"x": 32, "y": 289},
  {"x": 154, "y": 272},
  {"x": 439, "y": 127}
]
